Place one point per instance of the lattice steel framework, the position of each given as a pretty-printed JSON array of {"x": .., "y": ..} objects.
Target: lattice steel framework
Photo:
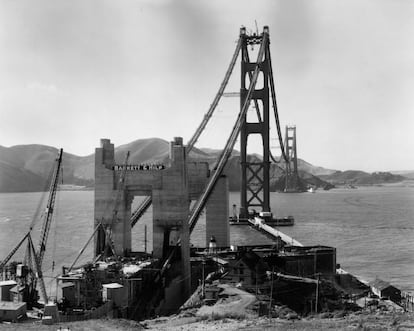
[
  {"x": 255, "y": 192},
  {"x": 255, "y": 174}
]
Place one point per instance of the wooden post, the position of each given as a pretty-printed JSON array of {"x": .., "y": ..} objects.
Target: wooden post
[
  {"x": 256, "y": 278},
  {"x": 317, "y": 294},
  {"x": 203, "y": 279},
  {"x": 145, "y": 239},
  {"x": 271, "y": 292}
]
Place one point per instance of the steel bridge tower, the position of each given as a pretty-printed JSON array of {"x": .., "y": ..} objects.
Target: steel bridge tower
[
  {"x": 292, "y": 176},
  {"x": 255, "y": 175}
]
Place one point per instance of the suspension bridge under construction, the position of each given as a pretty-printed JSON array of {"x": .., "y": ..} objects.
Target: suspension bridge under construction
[
  {"x": 142, "y": 284},
  {"x": 170, "y": 190}
]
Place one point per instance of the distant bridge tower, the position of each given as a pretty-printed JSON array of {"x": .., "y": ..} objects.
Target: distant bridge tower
[
  {"x": 292, "y": 176},
  {"x": 255, "y": 175}
]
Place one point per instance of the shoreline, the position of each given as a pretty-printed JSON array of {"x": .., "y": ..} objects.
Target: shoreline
[{"x": 408, "y": 182}]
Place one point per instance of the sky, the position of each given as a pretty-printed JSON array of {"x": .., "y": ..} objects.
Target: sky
[{"x": 73, "y": 72}]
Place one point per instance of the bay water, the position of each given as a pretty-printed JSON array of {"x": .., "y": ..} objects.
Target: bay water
[{"x": 372, "y": 228}]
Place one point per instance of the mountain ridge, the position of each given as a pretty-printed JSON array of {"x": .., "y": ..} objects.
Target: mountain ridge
[{"x": 25, "y": 168}]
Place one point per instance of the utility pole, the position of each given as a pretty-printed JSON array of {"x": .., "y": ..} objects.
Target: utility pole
[
  {"x": 256, "y": 277},
  {"x": 145, "y": 239},
  {"x": 203, "y": 279},
  {"x": 317, "y": 293},
  {"x": 271, "y": 292}
]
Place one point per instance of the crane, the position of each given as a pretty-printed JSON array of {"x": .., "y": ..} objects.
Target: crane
[
  {"x": 47, "y": 221},
  {"x": 49, "y": 209},
  {"x": 35, "y": 258}
]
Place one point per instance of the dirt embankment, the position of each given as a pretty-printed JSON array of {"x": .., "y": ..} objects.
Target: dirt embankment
[
  {"x": 235, "y": 309},
  {"x": 368, "y": 321},
  {"x": 364, "y": 321}
]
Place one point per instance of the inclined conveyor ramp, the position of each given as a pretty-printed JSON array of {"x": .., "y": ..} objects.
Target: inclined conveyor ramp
[{"x": 260, "y": 225}]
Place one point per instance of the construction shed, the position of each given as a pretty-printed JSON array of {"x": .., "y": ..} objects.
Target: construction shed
[
  {"x": 305, "y": 261},
  {"x": 115, "y": 292},
  {"x": 5, "y": 287},
  {"x": 68, "y": 293},
  {"x": 384, "y": 289},
  {"x": 12, "y": 311},
  {"x": 248, "y": 268},
  {"x": 18, "y": 293}
]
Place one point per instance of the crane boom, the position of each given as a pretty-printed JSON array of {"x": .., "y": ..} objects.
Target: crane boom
[
  {"x": 39, "y": 274},
  {"x": 14, "y": 250},
  {"x": 49, "y": 209}
]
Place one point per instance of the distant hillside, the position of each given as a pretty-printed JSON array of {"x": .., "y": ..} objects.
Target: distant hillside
[
  {"x": 313, "y": 170},
  {"x": 25, "y": 168},
  {"x": 16, "y": 179},
  {"x": 355, "y": 177},
  {"x": 407, "y": 173}
]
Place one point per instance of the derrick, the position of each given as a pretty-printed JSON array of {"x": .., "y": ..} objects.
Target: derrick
[{"x": 34, "y": 259}]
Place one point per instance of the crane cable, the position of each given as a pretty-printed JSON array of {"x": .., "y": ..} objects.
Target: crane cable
[
  {"x": 40, "y": 205},
  {"x": 32, "y": 224}
]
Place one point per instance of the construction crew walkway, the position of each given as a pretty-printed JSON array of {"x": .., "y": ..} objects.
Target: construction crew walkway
[{"x": 260, "y": 225}]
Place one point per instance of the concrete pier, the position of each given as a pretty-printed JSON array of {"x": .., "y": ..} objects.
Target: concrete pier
[
  {"x": 172, "y": 187},
  {"x": 217, "y": 214}
]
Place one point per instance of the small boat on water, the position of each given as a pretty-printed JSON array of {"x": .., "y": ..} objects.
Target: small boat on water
[{"x": 311, "y": 190}]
